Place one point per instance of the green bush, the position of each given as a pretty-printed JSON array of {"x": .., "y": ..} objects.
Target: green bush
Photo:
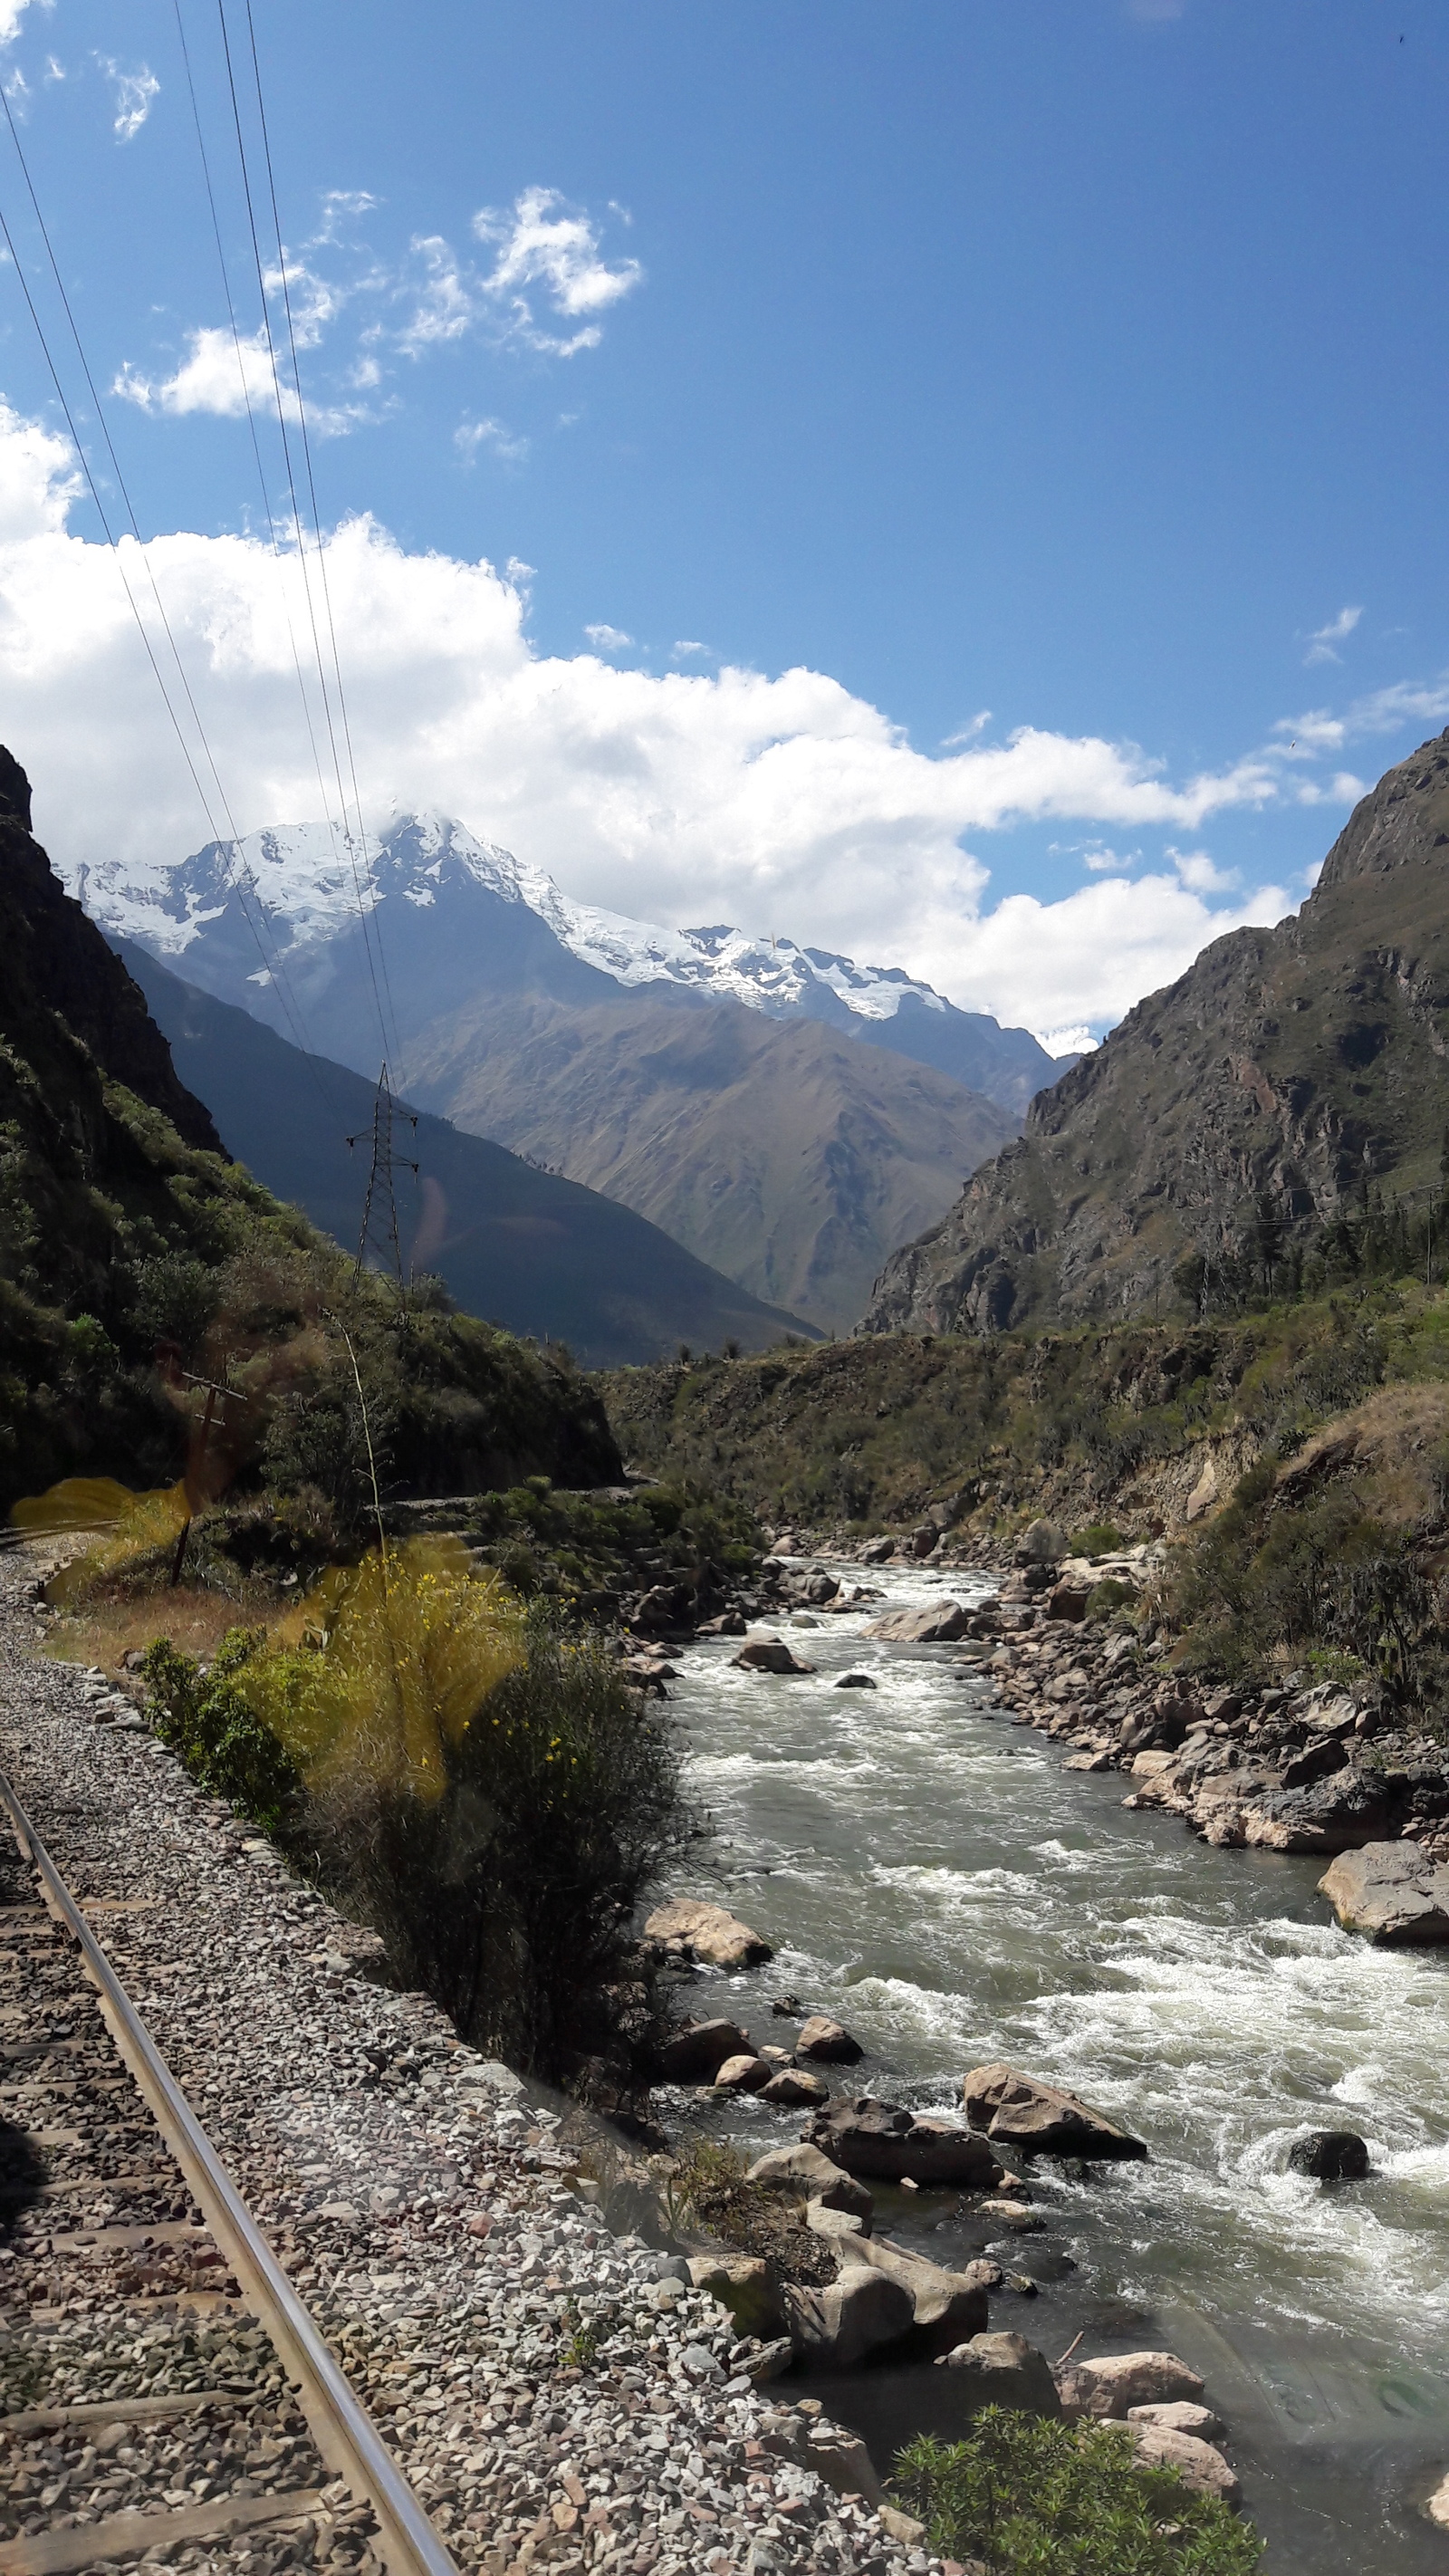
[
  {"x": 1102, "y": 1539},
  {"x": 1025, "y": 2496},
  {"x": 201, "y": 1718}
]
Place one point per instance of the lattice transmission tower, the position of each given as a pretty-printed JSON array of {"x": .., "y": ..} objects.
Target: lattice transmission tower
[{"x": 379, "y": 1233}]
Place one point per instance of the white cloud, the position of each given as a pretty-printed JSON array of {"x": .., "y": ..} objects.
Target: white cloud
[
  {"x": 1321, "y": 643},
  {"x": 544, "y": 243},
  {"x": 970, "y": 732},
  {"x": 779, "y": 801},
  {"x": 685, "y": 646},
  {"x": 1201, "y": 874},
  {"x": 608, "y": 639},
  {"x": 1104, "y": 862},
  {"x": 11, "y": 13},
  {"x": 135, "y": 95},
  {"x": 470, "y": 435}
]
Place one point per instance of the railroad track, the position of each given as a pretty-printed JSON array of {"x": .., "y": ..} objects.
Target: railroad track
[{"x": 164, "y": 2393}]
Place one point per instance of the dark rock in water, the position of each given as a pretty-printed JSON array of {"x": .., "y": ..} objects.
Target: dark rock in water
[
  {"x": 856, "y": 1681},
  {"x": 828, "y": 2040},
  {"x": 877, "y": 2139},
  {"x": 1040, "y": 2119},
  {"x": 1330, "y": 2155},
  {"x": 1333, "y": 1815},
  {"x": 769, "y": 1655},
  {"x": 692, "y": 2056}
]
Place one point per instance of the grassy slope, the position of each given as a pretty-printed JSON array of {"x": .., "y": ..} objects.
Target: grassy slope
[{"x": 1085, "y": 1425}]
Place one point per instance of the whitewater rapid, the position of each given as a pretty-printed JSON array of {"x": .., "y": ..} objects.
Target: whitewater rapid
[{"x": 934, "y": 1876}]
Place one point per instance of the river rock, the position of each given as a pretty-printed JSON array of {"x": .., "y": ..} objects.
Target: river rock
[
  {"x": 795, "y": 2088},
  {"x": 694, "y": 2055},
  {"x": 1040, "y": 2119},
  {"x": 1041, "y": 1543},
  {"x": 746, "y": 2285},
  {"x": 856, "y": 1681},
  {"x": 947, "y": 2307},
  {"x": 1332, "y": 1815},
  {"x": 878, "y": 1551},
  {"x": 1316, "y": 1761},
  {"x": 1005, "y": 2370},
  {"x": 837, "y": 2224},
  {"x": 805, "y": 2169},
  {"x": 743, "y": 2074},
  {"x": 768, "y": 1655},
  {"x": 1391, "y": 1892},
  {"x": 835, "y": 2327},
  {"x": 1179, "y": 2416},
  {"x": 1121, "y": 2380},
  {"x": 687, "y": 1929},
  {"x": 1202, "y": 2470},
  {"x": 829, "y": 2041},
  {"x": 891, "y": 2145},
  {"x": 939, "y": 1623},
  {"x": 1330, "y": 2155},
  {"x": 1436, "y": 2506}
]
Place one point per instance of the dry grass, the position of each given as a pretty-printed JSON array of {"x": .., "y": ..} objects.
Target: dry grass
[{"x": 195, "y": 1620}]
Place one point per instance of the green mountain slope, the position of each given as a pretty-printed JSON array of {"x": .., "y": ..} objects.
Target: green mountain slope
[
  {"x": 787, "y": 1153},
  {"x": 1233, "y": 1119},
  {"x": 537, "y": 1254},
  {"x": 132, "y": 1251}
]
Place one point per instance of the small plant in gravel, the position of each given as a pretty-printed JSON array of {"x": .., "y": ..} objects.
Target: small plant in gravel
[{"x": 1024, "y": 2496}]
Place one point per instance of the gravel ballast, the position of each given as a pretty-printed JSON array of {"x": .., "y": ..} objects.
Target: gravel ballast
[{"x": 555, "y": 2394}]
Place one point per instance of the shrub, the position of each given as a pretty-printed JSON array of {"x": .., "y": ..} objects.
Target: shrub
[
  {"x": 1025, "y": 2496},
  {"x": 481, "y": 1787},
  {"x": 203, "y": 1719},
  {"x": 1102, "y": 1539}
]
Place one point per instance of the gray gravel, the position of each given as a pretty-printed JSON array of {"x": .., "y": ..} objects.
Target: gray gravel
[{"x": 553, "y": 2399}]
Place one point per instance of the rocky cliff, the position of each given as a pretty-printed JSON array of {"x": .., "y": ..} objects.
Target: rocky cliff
[{"x": 1232, "y": 1117}]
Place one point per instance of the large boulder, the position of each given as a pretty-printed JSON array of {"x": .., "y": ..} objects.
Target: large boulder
[
  {"x": 746, "y": 2285},
  {"x": 795, "y": 2088},
  {"x": 1332, "y": 1815},
  {"x": 1330, "y": 2155},
  {"x": 1391, "y": 1892},
  {"x": 696, "y": 2054},
  {"x": 1179, "y": 2415},
  {"x": 947, "y": 2307},
  {"x": 1041, "y": 1543},
  {"x": 768, "y": 1655},
  {"x": 1039, "y": 2119},
  {"x": 940, "y": 1623},
  {"x": 835, "y": 2327},
  {"x": 743, "y": 2074},
  {"x": 829, "y": 2041},
  {"x": 1004, "y": 2370},
  {"x": 686, "y": 1929},
  {"x": 805, "y": 2170},
  {"x": 1202, "y": 2469},
  {"x": 886, "y": 2144},
  {"x": 1112, "y": 2386}
]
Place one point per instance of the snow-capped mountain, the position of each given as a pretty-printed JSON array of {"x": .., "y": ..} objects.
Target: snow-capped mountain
[{"x": 274, "y": 921}]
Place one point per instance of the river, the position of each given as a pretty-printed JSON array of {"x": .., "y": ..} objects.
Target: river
[{"x": 931, "y": 1874}]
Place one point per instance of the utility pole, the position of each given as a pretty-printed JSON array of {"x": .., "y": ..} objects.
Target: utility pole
[{"x": 379, "y": 1211}]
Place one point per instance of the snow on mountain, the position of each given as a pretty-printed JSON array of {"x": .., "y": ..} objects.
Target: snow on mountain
[{"x": 307, "y": 883}]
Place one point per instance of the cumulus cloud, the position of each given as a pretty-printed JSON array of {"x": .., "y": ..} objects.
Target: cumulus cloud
[
  {"x": 135, "y": 94},
  {"x": 771, "y": 801},
  {"x": 1323, "y": 642},
  {"x": 11, "y": 13},
  {"x": 608, "y": 639}
]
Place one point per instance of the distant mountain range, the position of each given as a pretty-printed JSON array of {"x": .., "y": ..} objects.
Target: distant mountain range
[
  {"x": 1262, "y": 1096},
  {"x": 788, "y": 1115},
  {"x": 517, "y": 1246}
]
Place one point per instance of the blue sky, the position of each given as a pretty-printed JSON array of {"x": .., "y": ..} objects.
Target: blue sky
[{"x": 1074, "y": 366}]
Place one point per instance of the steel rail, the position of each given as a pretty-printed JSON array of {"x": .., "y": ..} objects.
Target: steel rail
[{"x": 407, "y": 2541}]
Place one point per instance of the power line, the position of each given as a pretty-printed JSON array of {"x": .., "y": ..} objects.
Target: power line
[
  {"x": 367, "y": 927},
  {"x": 316, "y": 514},
  {"x": 273, "y": 968}
]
